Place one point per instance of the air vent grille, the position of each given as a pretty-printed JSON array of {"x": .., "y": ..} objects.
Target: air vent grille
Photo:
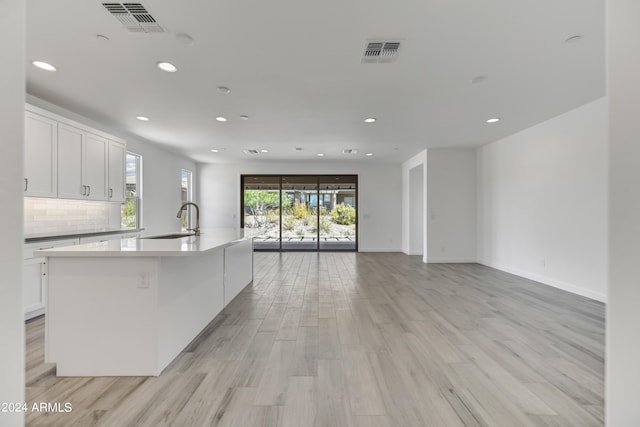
[
  {"x": 134, "y": 17},
  {"x": 380, "y": 51},
  {"x": 349, "y": 151},
  {"x": 251, "y": 151}
]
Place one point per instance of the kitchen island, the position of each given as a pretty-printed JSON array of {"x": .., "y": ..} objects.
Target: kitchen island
[{"x": 130, "y": 306}]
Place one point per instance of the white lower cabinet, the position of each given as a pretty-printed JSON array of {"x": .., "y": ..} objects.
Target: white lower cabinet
[
  {"x": 33, "y": 287},
  {"x": 34, "y": 276}
]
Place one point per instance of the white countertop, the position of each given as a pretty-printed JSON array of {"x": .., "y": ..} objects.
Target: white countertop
[{"x": 209, "y": 239}]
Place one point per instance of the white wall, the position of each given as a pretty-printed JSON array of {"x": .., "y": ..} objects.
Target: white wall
[
  {"x": 623, "y": 312},
  {"x": 451, "y": 205},
  {"x": 410, "y": 235},
  {"x": 379, "y": 196},
  {"x": 161, "y": 169},
  {"x": 542, "y": 202},
  {"x": 12, "y": 46},
  {"x": 416, "y": 210}
]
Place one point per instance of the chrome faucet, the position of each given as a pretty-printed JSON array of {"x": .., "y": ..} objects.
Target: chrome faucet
[{"x": 179, "y": 215}]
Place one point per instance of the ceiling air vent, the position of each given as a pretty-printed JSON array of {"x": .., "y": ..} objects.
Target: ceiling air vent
[
  {"x": 251, "y": 151},
  {"x": 349, "y": 151},
  {"x": 134, "y": 17},
  {"x": 380, "y": 51}
]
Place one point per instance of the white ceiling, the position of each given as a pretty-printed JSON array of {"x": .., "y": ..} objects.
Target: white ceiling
[{"x": 293, "y": 66}]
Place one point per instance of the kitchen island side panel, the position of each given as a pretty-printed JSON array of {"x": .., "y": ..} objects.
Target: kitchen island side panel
[
  {"x": 102, "y": 316},
  {"x": 190, "y": 296},
  {"x": 238, "y": 269}
]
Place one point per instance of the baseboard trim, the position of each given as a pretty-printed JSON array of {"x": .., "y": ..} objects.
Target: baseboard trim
[
  {"x": 574, "y": 289},
  {"x": 380, "y": 250},
  {"x": 451, "y": 260}
]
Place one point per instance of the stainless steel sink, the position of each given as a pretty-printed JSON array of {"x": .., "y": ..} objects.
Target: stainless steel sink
[{"x": 170, "y": 236}]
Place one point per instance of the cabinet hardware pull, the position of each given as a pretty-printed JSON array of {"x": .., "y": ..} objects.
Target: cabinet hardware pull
[
  {"x": 111, "y": 193},
  {"x": 26, "y": 184},
  {"x": 84, "y": 190},
  {"x": 89, "y": 190}
]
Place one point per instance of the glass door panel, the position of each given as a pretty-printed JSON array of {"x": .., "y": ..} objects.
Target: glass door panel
[
  {"x": 299, "y": 213},
  {"x": 261, "y": 195},
  {"x": 338, "y": 214}
]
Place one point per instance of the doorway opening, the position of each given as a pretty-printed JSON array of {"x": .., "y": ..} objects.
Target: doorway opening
[{"x": 301, "y": 212}]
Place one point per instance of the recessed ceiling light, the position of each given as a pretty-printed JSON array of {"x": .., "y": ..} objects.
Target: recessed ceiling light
[
  {"x": 320, "y": 154},
  {"x": 223, "y": 89},
  {"x": 221, "y": 119},
  {"x": 369, "y": 154},
  {"x": 142, "y": 118},
  {"x": 243, "y": 117},
  {"x": 264, "y": 151},
  {"x": 573, "y": 39},
  {"x": 370, "y": 120},
  {"x": 493, "y": 120},
  {"x": 214, "y": 151},
  {"x": 167, "y": 66},
  {"x": 44, "y": 66},
  {"x": 478, "y": 79}
]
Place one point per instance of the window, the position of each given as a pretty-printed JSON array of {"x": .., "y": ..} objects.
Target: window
[
  {"x": 131, "y": 210},
  {"x": 186, "y": 196}
]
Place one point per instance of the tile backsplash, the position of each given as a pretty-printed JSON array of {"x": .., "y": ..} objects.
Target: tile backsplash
[{"x": 43, "y": 215}]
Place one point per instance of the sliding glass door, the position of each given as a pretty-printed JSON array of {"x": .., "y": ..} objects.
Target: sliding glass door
[
  {"x": 337, "y": 212},
  {"x": 301, "y": 212},
  {"x": 261, "y": 209}
]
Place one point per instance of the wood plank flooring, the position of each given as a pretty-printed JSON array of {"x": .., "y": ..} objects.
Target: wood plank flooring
[{"x": 361, "y": 339}]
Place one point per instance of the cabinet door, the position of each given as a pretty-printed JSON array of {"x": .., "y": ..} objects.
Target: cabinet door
[
  {"x": 70, "y": 145},
  {"x": 40, "y": 156},
  {"x": 117, "y": 154},
  {"x": 94, "y": 169},
  {"x": 33, "y": 287}
]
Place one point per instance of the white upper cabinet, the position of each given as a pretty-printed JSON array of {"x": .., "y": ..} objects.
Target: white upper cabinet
[
  {"x": 70, "y": 143},
  {"x": 82, "y": 164},
  {"x": 40, "y": 156},
  {"x": 116, "y": 188},
  {"x": 69, "y": 160},
  {"x": 94, "y": 166}
]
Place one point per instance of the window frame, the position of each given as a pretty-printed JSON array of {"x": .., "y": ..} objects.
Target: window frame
[
  {"x": 189, "y": 198},
  {"x": 139, "y": 196}
]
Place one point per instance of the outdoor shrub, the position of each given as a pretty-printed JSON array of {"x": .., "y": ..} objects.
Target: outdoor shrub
[
  {"x": 344, "y": 214},
  {"x": 300, "y": 232},
  {"x": 288, "y": 223},
  {"x": 300, "y": 210},
  {"x": 325, "y": 225},
  {"x": 271, "y": 216}
]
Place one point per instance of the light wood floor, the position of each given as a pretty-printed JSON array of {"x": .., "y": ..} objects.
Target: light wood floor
[{"x": 361, "y": 339}]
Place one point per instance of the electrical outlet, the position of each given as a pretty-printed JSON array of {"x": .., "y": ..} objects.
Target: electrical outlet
[{"x": 143, "y": 280}]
